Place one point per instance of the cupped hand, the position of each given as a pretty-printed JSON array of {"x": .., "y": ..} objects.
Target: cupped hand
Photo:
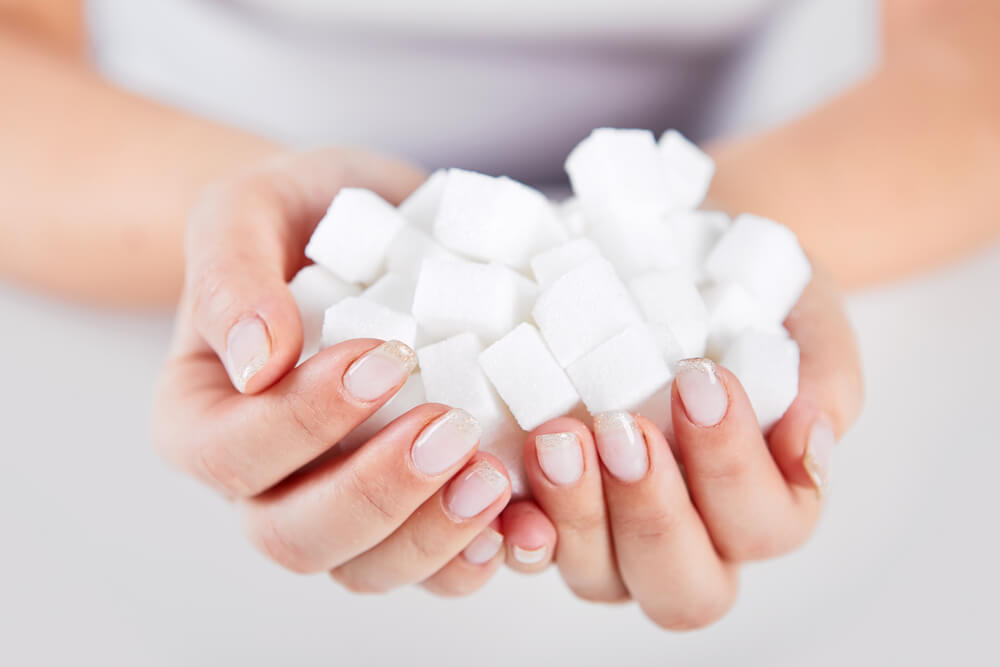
[
  {"x": 625, "y": 515},
  {"x": 233, "y": 411}
]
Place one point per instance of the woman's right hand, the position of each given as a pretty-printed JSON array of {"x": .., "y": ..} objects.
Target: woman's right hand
[{"x": 233, "y": 411}]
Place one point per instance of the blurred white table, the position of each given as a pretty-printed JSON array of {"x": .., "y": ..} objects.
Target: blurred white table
[{"x": 109, "y": 559}]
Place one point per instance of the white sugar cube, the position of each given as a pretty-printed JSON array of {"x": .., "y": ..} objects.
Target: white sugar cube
[
  {"x": 505, "y": 440},
  {"x": 421, "y": 207},
  {"x": 621, "y": 372},
  {"x": 495, "y": 219},
  {"x": 767, "y": 365},
  {"x": 670, "y": 348},
  {"x": 451, "y": 375},
  {"x": 618, "y": 173},
  {"x": 528, "y": 378},
  {"x": 408, "y": 397},
  {"x": 357, "y": 317},
  {"x": 352, "y": 240},
  {"x": 410, "y": 249},
  {"x": 582, "y": 309},
  {"x": 570, "y": 212},
  {"x": 636, "y": 244},
  {"x": 669, "y": 298},
  {"x": 656, "y": 409},
  {"x": 557, "y": 261},
  {"x": 458, "y": 296},
  {"x": 731, "y": 311},
  {"x": 687, "y": 170},
  {"x": 315, "y": 289},
  {"x": 695, "y": 233},
  {"x": 766, "y": 259},
  {"x": 392, "y": 291}
]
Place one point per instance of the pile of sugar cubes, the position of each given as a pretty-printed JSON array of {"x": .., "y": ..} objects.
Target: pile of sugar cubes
[{"x": 522, "y": 310}]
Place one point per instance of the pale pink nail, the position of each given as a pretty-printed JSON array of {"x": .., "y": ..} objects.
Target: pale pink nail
[
  {"x": 529, "y": 556},
  {"x": 475, "y": 490},
  {"x": 379, "y": 370},
  {"x": 701, "y": 390},
  {"x": 818, "y": 459},
  {"x": 621, "y": 445},
  {"x": 560, "y": 457},
  {"x": 248, "y": 347},
  {"x": 484, "y": 547},
  {"x": 445, "y": 441}
]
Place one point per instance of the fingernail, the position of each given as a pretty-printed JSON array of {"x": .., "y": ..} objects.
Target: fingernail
[
  {"x": 818, "y": 459},
  {"x": 445, "y": 441},
  {"x": 560, "y": 457},
  {"x": 529, "y": 556},
  {"x": 701, "y": 390},
  {"x": 379, "y": 370},
  {"x": 248, "y": 347},
  {"x": 475, "y": 490},
  {"x": 484, "y": 547},
  {"x": 621, "y": 445}
]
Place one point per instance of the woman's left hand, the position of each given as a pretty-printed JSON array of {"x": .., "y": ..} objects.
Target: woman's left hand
[{"x": 623, "y": 517}]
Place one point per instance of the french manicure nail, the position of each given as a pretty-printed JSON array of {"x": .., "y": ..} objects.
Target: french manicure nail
[
  {"x": 248, "y": 347},
  {"x": 621, "y": 445},
  {"x": 560, "y": 457},
  {"x": 379, "y": 370},
  {"x": 475, "y": 490},
  {"x": 484, "y": 547},
  {"x": 529, "y": 556},
  {"x": 818, "y": 458},
  {"x": 445, "y": 441},
  {"x": 701, "y": 390}
]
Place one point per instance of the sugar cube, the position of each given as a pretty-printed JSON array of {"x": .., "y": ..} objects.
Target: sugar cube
[
  {"x": 505, "y": 440},
  {"x": 314, "y": 289},
  {"x": 421, "y": 207},
  {"x": 495, "y": 219},
  {"x": 636, "y": 244},
  {"x": 670, "y": 348},
  {"x": 451, "y": 375},
  {"x": 622, "y": 372},
  {"x": 767, "y": 365},
  {"x": 731, "y": 311},
  {"x": 617, "y": 173},
  {"x": 687, "y": 170},
  {"x": 460, "y": 296},
  {"x": 582, "y": 309},
  {"x": 408, "y": 397},
  {"x": 357, "y": 317},
  {"x": 528, "y": 378},
  {"x": 352, "y": 240},
  {"x": 570, "y": 212},
  {"x": 410, "y": 248},
  {"x": 766, "y": 259},
  {"x": 557, "y": 261},
  {"x": 695, "y": 233},
  {"x": 670, "y": 298},
  {"x": 392, "y": 291}
]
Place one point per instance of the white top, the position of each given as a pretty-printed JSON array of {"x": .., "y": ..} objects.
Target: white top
[{"x": 505, "y": 87}]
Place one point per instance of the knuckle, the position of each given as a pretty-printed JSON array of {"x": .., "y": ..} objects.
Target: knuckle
[
  {"x": 583, "y": 523},
  {"x": 647, "y": 529},
  {"x": 376, "y": 497},
  {"x": 350, "y": 580},
  {"x": 761, "y": 544},
  {"x": 309, "y": 420},
  {"x": 213, "y": 464},
  {"x": 266, "y": 534}
]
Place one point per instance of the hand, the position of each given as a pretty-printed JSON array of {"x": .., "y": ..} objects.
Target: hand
[
  {"x": 232, "y": 410},
  {"x": 625, "y": 517}
]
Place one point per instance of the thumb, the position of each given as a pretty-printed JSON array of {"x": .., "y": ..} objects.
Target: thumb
[{"x": 246, "y": 238}]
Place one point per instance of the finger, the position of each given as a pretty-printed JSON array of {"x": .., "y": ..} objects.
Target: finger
[
  {"x": 469, "y": 571},
  {"x": 831, "y": 389},
  {"x": 245, "y": 239},
  {"x": 436, "y": 532},
  {"x": 342, "y": 508},
  {"x": 245, "y": 444},
  {"x": 564, "y": 473},
  {"x": 664, "y": 552},
  {"x": 529, "y": 536},
  {"x": 735, "y": 483}
]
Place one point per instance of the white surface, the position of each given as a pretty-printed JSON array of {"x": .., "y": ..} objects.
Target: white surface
[{"x": 110, "y": 559}]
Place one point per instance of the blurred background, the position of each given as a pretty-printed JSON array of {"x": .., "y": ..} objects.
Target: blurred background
[{"x": 110, "y": 558}]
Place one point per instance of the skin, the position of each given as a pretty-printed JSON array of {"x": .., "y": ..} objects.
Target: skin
[{"x": 924, "y": 125}]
